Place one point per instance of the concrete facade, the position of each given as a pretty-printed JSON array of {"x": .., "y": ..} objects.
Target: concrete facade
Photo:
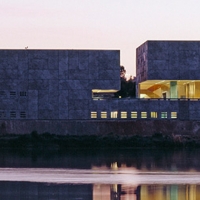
[
  {"x": 168, "y": 60},
  {"x": 54, "y": 84}
]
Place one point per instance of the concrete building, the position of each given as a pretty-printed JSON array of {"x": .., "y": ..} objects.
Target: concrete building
[
  {"x": 168, "y": 69},
  {"x": 55, "y": 84},
  {"x": 65, "y": 91}
]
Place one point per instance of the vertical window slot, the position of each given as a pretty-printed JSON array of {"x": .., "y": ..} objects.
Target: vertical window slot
[
  {"x": 113, "y": 114},
  {"x": 154, "y": 114}
]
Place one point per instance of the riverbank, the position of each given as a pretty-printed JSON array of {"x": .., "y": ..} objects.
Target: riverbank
[
  {"x": 65, "y": 142},
  {"x": 102, "y": 127}
]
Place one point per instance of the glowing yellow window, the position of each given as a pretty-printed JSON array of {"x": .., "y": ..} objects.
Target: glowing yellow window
[
  {"x": 103, "y": 114},
  {"x": 163, "y": 115},
  {"x": 173, "y": 115},
  {"x": 133, "y": 114},
  {"x": 93, "y": 115},
  {"x": 123, "y": 115},
  {"x": 113, "y": 114},
  {"x": 143, "y": 114},
  {"x": 154, "y": 115}
]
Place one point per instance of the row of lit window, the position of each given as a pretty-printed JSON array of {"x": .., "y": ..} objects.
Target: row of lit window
[{"x": 134, "y": 115}]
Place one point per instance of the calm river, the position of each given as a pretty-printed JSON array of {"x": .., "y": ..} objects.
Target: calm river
[{"x": 100, "y": 175}]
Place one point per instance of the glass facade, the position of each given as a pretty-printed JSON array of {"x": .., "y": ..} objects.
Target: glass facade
[{"x": 172, "y": 89}]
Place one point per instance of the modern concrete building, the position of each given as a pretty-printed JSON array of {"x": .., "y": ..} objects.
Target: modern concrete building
[
  {"x": 55, "y": 84},
  {"x": 168, "y": 69},
  {"x": 65, "y": 91}
]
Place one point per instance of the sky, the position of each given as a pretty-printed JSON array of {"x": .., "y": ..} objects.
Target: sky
[{"x": 97, "y": 24}]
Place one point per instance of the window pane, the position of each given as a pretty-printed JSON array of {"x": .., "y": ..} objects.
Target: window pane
[
  {"x": 143, "y": 114},
  {"x": 93, "y": 114},
  {"x": 173, "y": 115},
  {"x": 133, "y": 114},
  {"x": 154, "y": 115},
  {"x": 113, "y": 114},
  {"x": 163, "y": 114},
  {"x": 123, "y": 114},
  {"x": 103, "y": 114}
]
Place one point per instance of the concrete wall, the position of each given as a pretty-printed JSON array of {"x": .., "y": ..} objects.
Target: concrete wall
[
  {"x": 142, "y": 63},
  {"x": 168, "y": 60},
  {"x": 54, "y": 84}
]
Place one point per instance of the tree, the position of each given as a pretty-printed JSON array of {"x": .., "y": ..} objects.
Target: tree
[{"x": 128, "y": 87}]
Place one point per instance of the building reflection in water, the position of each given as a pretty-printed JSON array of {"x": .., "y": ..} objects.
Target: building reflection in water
[
  {"x": 146, "y": 192},
  {"x": 43, "y": 191},
  {"x": 170, "y": 192},
  {"x": 114, "y": 192}
]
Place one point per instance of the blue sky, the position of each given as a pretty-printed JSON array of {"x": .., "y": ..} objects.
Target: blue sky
[{"x": 97, "y": 24}]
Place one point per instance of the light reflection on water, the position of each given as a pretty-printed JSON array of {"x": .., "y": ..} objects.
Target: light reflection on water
[
  {"x": 131, "y": 175},
  {"x": 98, "y": 176},
  {"x": 98, "y": 184}
]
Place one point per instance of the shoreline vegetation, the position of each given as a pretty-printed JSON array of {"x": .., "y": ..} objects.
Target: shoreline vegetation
[{"x": 109, "y": 141}]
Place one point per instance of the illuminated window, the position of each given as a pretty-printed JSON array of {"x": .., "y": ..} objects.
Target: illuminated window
[
  {"x": 163, "y": 115},
  {"x": 143, "y": 114},
  {"x": 113, "y": 114},
  {"x": 173, "y": 115},
  {"x": 103, "y": 114},
  {"x": 93, "y": 115},
  {"x": 154, "y": 115},
  {"x": 123, "y": 115},
  {"x": 133, "y": 114}
]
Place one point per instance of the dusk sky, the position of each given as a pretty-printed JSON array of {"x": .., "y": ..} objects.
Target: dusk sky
[{"x": 97, "y": 24}]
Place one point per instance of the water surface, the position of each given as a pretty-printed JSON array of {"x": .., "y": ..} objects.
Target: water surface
[{"x": 101, "y": 175}]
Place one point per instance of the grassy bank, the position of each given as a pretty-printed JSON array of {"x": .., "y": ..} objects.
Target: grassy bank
[{"x": 46, "y": 140}]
